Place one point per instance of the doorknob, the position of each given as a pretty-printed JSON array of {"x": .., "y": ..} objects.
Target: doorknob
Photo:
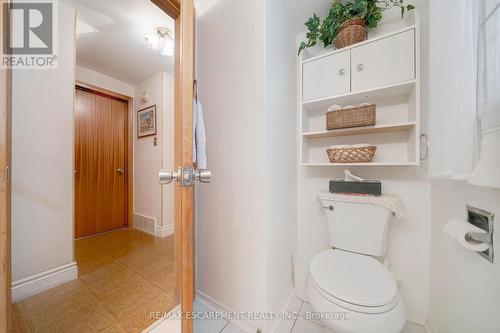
[
  {"x": 203, "y": 176},
  {"x": 120, "y": 171},
  {"x": 185, "y": 176},
  {"x": 168, "y": 176}
]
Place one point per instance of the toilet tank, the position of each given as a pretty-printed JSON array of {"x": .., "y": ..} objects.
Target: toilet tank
[{"x": 356, "y": 227}]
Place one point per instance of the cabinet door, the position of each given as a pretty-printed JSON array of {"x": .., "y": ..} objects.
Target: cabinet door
[
  {"x": 383, "y": 62},
  {"x": 326, "y": 76}
]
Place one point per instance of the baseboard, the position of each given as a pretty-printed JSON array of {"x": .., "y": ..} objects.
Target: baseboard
[
  {"x": 165, "y": 231},
  {"x": 416, "y": 317},
  {"x": 246, "y": 325},
  {"x": 38, "y": 283},
  {"x": 169, "y": 323},
  {"x": 429, "y": 328},
  {"x": 285, "y": 304},
  {"x": 145, "y": 223}
]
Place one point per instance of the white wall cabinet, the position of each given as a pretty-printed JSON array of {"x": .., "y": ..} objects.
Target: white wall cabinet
[
  {"x": 383, "y": 70},
  {"x": 384, "y": 62},
  {"x": 328, "y": 76}
]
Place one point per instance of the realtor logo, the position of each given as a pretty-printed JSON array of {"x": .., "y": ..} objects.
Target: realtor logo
[{"x": 32, "y": 41}]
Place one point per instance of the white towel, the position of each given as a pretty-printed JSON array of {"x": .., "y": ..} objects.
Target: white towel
[{"x": 199, "y": 137}]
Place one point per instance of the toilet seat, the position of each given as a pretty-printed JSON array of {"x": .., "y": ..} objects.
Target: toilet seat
[{"x": 354, "y": 281}]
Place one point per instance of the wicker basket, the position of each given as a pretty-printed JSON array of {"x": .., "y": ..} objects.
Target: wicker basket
[
  {"x": 364, "y": 115},
  {"x": 354, "y": 21},
  {"x": 351, "y": 154},
  {"x": 351, "y": 32}
]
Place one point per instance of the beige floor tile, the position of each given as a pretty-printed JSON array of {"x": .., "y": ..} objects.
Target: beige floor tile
[{"x": 123, "y": 277}]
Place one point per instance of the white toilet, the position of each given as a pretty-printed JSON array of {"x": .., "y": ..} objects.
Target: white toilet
[{"x": 347, "y": 284}]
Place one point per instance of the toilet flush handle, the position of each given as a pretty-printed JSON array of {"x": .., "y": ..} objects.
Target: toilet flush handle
[{"x": 330, "y": 207}]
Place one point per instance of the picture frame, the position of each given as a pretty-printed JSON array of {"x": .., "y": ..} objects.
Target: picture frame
[{"x": 146, "y": 122}]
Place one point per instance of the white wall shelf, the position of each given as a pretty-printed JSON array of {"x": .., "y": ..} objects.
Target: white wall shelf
[
  {"x": 357, "y": 97},
  {"x": 384, "y": 71},
  {"x": 397, "y": 127}
]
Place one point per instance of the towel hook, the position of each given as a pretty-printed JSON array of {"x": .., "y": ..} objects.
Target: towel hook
[{"x": 195, "y": 90}]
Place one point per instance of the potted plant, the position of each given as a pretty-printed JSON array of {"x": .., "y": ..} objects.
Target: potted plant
[{"x": 347, "y": 21}]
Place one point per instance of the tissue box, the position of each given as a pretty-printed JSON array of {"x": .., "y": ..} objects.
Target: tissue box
[{"x": 366, "y": 187}]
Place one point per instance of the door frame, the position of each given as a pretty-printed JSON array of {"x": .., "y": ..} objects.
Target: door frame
[
  {"x": 182, "y": 11},
  {"x": 5, "y": 162},
  {"x": 129, "y": 148}
]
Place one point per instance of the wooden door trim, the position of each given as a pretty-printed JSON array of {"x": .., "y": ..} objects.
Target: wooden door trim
[
  {"x": 5, "y": 162},
  {"x": 171, "y": 7},
  {"x": 185, "y": 137},
  {"x": 129, "y": 150},
  {"x": 183, "y": 156}
]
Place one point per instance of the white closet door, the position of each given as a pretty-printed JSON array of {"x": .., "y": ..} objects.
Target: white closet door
[
  {"x": 384, "y": 62},
  {"x": 325, "y": 77}
]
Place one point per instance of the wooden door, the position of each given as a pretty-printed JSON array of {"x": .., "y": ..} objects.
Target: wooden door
[
  {"x": 100, "y": 163},
  {"x": 182, "y": 11},
  {"x": 5, "y": 221}
]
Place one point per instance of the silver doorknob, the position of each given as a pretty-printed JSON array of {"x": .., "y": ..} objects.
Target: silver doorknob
[
  {"x": 168, "y": 176},
  {"x": 360, "y": 67},
  {"x": 120, "y": 171},
  {"x": 342, "y": 71},
  {"x": 203, "y": 176}
]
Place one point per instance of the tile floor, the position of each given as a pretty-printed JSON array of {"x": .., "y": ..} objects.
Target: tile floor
[
  {"x": 286, "y": 326},
  {"x": 123, "y": 276}
]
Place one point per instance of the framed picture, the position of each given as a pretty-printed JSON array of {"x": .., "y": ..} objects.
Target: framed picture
[{"x": 146, "y": 122}]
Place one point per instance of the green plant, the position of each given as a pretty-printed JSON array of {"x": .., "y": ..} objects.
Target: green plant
[
  {"x": 312, "y": 34},
  {"x": 343, "y": 10}
]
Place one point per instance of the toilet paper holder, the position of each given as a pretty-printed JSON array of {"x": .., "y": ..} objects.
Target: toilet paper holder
[{"x": 483, "y": 220}]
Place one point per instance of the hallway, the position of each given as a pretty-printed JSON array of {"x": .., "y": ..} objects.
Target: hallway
[{"x": 123, "y": 276}]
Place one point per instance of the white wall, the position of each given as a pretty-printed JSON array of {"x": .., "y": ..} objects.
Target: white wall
[
  {"x": 148, "y": 158},
  {"x": 281, "y": 150},
  {"x": 409, "y": 239},
  {"x": 42, "y": 161},
  {"x": 91, "y": 77},
  {"x": 230, "y": 215},
  {"x": 464, "y": 290},
  {"x": 464, "y": 287}
]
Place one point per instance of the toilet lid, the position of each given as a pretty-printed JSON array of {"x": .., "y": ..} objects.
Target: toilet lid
[{"x": 354, "y": 278}]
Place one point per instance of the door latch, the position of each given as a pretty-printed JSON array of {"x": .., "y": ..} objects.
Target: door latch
[{"x": 185, "y": 176}]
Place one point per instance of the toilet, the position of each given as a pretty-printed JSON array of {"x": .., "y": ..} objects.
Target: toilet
[{"x": 348, "y": 285}]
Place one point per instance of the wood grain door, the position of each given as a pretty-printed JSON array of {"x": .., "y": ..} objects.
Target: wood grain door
[{"x": 100, "y": 163}]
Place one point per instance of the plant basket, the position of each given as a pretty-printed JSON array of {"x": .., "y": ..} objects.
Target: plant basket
[
  {"x": 351, "y": 32},
  {"x": 354, "y": 21},
  {"x": 364, "y": 115},
  {"x": 351, "y": 154}
]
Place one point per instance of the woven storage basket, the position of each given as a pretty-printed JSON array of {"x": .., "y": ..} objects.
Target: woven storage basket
[
  {"x": 353, "y": 21},
  {"x": 351, "y": 154},
  {"x": 364, "y": 115},
  {"x": 350, "y": 32}
]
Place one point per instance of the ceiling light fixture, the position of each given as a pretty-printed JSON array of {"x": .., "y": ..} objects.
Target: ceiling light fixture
[{"x": 161, "y": 41}]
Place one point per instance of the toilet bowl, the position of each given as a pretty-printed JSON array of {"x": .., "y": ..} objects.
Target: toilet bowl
[{"x": 354, "y": 293}]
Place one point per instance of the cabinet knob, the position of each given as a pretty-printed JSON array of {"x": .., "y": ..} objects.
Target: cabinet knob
[
  {"x": 360, "y": 67},
  {"x": 342, "y": 71}
]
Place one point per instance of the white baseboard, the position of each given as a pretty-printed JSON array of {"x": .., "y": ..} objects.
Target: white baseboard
[
  {"x": 209, "y": 302},
  {"x": 38, "y": 283},
  {"x": 416, "y": 317},
  {"x": 165, "y": 231},
  {"x": 170, "y": 323},
  {"x": 429, "y": 328},
  {"x": 145, "y": 223},
  {"x": 284, "y": 306}
]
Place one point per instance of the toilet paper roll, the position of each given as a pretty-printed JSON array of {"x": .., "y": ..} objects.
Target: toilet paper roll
[{"x": 459, "y": 229}]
